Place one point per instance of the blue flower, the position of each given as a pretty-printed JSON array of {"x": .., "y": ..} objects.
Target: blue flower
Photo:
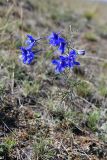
[
  {"x": 54, "y": 39},
  {"x": 27, "y": 55},
  {"x": 62, "y": 45},
  {"x": 57, "y": 41},
  {"x": 63, "y": 62},
  {"x": 72, "y": 58},
  {"x": 30, "y": 39},
  {"x": 30, "y": 42}
]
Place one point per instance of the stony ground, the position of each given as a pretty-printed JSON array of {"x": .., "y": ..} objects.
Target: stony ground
[{"x": 44, "y": 116}]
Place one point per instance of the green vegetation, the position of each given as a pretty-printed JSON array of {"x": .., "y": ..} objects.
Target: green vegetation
[
  {"x": 93, "y": 119},
  {"x": 9, "y": 143},
  {"x": 84, "y": 88},
  {"x": 6, "y": 147},
  {"x": 3, "y": 150},
  {"x": 43, "y": 149}
]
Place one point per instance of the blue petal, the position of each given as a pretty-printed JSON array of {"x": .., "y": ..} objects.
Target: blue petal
[
  {"x": 62, "y": 47},
  {"x": 30, "y": 46},
  {"x": 76, "y": 63},
  {"x": 59, "y": 69},
  {"x": 72, "y": 53},
  {"x": 27, "y": 55},
  {"x": 81, "y": 52},
  {"x": 30, "y": 37},
  {"x": 55, "y": 62},
  {"x": 53, "y": 35},
  {"x": 63, "y": 57}
]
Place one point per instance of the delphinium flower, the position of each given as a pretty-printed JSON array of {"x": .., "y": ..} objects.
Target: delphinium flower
[
  {"x": 60, "y": 63},
  {"x": 30, "y": 39},
  {"x": 54, "y": 39},
  {"x": 72, "y": 58},
  {"x": 57, "y": 41},
  {"x": 67, "y": 61},
  {"x": 27, "y": 55},
  {"x": 27, "y": 51},
  {"x": 62, "y": 45}
]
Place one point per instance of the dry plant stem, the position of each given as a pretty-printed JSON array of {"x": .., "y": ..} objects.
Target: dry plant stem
[
  {"x": 21, "y": 17},
  {"x": 12, "y": 86}
]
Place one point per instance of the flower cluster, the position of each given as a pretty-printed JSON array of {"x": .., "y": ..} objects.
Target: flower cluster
[
  {"x": 27, "y": 52},
  {"x": 65, "y": 59}
]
